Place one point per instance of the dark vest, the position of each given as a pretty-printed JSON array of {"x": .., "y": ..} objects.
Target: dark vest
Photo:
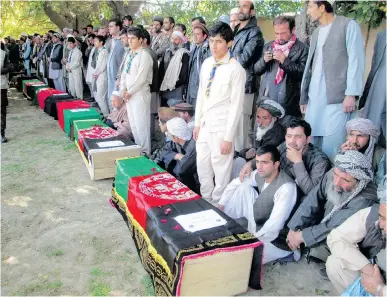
[
  {"x": 264, "y": 204},
  {"x": 374, "y": 241}
]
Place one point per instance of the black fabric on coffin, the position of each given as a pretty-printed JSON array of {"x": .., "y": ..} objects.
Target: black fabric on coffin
[
  {"x": 50, "y": 103},
  {"x": 19, "y": 80},
  {"x": 92, "y": 144},
  {"x": 31, "y": 90}
]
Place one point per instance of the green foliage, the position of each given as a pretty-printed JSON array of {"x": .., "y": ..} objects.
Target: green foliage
[{"x": 368, "y": 12}]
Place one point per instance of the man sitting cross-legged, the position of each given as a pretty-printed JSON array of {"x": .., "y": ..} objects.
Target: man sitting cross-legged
[{"x": 267, "y": 209}]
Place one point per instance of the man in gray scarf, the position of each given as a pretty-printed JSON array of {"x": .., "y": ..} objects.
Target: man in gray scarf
[
  {"x": 362, "y": 136},
  {"x": 342, "y": 192}
]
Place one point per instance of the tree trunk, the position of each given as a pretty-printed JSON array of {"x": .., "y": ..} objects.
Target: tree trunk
[{"x": 58, "y": 19}]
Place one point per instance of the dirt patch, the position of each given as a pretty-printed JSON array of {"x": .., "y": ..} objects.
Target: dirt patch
[{"x": 60, "y": 236}]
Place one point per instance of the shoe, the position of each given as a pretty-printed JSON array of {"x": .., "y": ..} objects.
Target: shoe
[
  {"x": 4, "y": 139},
  {"x": 323, "y": 274}
]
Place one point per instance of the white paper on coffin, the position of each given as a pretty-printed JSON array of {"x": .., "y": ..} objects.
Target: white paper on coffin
[
  {"x": 80, "y": 109},
  {"x": 200, "y": 220},
  {"x": 113, "y": 143}
]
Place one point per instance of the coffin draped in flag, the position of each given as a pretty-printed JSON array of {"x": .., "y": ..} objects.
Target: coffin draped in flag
[
  {"x": 63, "y": 105},
  {"x": 51, "y": 101},
  {"x": 20, "y": 79},
  {"x": 71, "y": 115},
  {"x": 188, "y": 246},
  {"x": 93, "y": 128},
  {"x": 29, "y": 83},
  {"x": 45, "y": 93},
  {"x": 33, "y": 91}
]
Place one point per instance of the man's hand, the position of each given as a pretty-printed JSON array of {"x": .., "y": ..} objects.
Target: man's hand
[
  {"x": 279, "y": 56},
  {"x": 225, "y": 147},
  {"x": 117, "y": 83},
  {"x": 347, "y": 146},
  {"x": 349, "y": 104},
  {"x": 220, "y": 207},
  {"x": 126, "y": 96},
  {"x": 250, "y": 153},
  {"x": 294, "y": 155},
  {"x": 268, "y": 56},
  {"x": 294, "y": 239},
  {"x": 64, "y": 61},
  {"x": 371, "y": 281},
  {"x": 196, "y": 133},
  {"x": 178, "y": 157},
  {"x": 303, "y": 108},
  {"x": 95, "y": 75},
  {"x": 246, "y": 170}
]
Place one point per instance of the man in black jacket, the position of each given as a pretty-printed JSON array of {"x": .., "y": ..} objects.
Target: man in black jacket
[
  {"x": 247, "y": 49},
  {"x": 55, "y": 68},
  {"x": 282, "y": 66}
]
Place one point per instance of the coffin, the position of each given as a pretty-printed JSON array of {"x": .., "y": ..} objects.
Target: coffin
[
  {"x": 51, "y": 101},
  {"x": 28, "y": 83},
  {"x": 63, "y": 105},
  {"x": 34, "y": 91},
  {"x": 92, "y": 127},
  {"x": 71, "y": 115},
  {"x": 20, "y": 79},
  {"x": 189, "y": 247},
  {"x": 43, "y": 94}
]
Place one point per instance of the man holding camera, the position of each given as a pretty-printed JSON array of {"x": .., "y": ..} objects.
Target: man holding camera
[{"x": 282, "y": 66}]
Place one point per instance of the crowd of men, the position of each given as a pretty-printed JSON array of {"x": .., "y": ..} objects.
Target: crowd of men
[{"x": 269, "y": 132}]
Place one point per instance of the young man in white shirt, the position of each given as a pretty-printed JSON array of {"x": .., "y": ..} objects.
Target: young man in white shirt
[
  {"x": 219, "y": 108},
  {"x": 264, "y": 211}
]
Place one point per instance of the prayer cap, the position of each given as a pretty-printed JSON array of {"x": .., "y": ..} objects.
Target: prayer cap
[
  {"x": 71, "y": 39},
  {"x": 158, "y": 19},
  {"x": 234, "y": 11},
  {"x": 167, "y": 113},
  {"x": 183, "y": 107},
  {"x": 355, "y": 164},
  {"x": 178, "y": 34},
  {"x": 202, "y": 27},
  {"x": 224, "y": 19},
  {"x": 179, "y": 128},
  {"x": 117, "y": 93},
  {"x": 56, "y": 35},
  {"x": 382, "y": 191},
  {"x": 274, "y": 108},
  {"x": 365, "y": 126},
  {"x": 331, "y": 2}
]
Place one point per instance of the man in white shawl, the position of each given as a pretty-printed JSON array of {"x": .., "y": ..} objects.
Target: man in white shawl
[
  {"x": 74, "y": 69},
  {"x": 173, "y": 71}
]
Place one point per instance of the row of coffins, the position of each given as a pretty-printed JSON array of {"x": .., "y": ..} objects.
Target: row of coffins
[{"x": 188, "y": 246}]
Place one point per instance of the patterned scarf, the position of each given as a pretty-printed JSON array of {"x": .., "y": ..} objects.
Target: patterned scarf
[
  {"x": 131, "y": 57},
  {"x": 285, "y": 48}
]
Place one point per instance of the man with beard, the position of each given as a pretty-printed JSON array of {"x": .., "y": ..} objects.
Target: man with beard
[
  {"x": 282, "y": 66},
  {"x": 247, "y": 50},
  {"x": 67, "y": 32},
  {"x": 173, "y": 71},
  {"x": 125, "y": 43},
  {"x": 360, "y": 238},
  {"x": 187, "y": 113},
  {"x": 362, "y": 136},
  {"x": 169, "y": 26},
  {"x": 342, "y": 192},
  {"x": 42, "y": 60},
  {"x": 300, "y": 159},
  {"x": 234, "y": 18},
  {"x": 160, "y": 42},
  {"x": 264, "y": 211},
  {"x": 199, "y": 53},
  {"x": 74, "y": 69}
]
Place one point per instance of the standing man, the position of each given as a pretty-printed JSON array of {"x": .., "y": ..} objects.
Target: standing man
[
  {"x": 135, "y": 82},
  {"x": 127, "y": 21},
  {"x": 199, "y": 53},
  {"x": 55, "y": 69},
  {"x": 173, "y": 71},
  {"x": 5, "y": 68},
  {"x": 218, "y": 111},
  {"x": 116, "y": 55},
  {"x": 74, "y": 68},
  {"x": 234, "y": 18},
  {"x": 125, "y": 43},
  {"x": 91, "y": 54},
  {"x": 333, "y": 77},
  {"x": 169, "y": 26},
  {"x": 66, "y": 33},
  {"x": 247, "y": 49},
  {"x": 160, "y": 42},
  {"x": 373, "y": 101},
  {"x": 27, "y": 55},
  {"x": 282, "y": 66}
]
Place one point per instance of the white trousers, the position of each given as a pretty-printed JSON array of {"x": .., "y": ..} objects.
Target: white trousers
[
  {"x": 211, "y": 163},
  {"x": 59, "y": 83},
  {"x": 76, "y": 83},
  {"x": 138, "y": 108},
  {"x": 242, "y": 133}
]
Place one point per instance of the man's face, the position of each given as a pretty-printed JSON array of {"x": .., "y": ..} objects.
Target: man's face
[
  {"x": 296, "y": 138},
  {"x": 91, "y": 41},
  {"x": 127, "y": 23},
  {"x": 76, "y": 34},
  {"x": 54, "y": 39},
  {"x": 265, "y": 165},
  {"x": 198, "y": 36},
  {"x": 89, "y": 30},
  {"x": 163, "y": 126},
  {"x": 180, "y": 29},
  {"x": 124, "y": 40},
  {"x": 342, "y": 181},
  {"x": 157, "y": 26},
  {"x": 234, "y": 20},
  {"x": 134, "y": 42},
  {"x": 382, "y": 218},
  {"x": 71, "y": 45},
  {"x": 176, "y": 40},
  {"x": 184, "y": 115},
  {"x": 219, "y": 47},
  {"x": 102, "y": 32},
  {"x": 195, "y": 22},
  {"x": 116, "y": 101},
  {"x": 358, "y": 140},
  {"x": 167, "y": 24},
  {"x": 282, "y": 33},
  {"x": 84, "y": 32},
  {"x": 244, "y": 10},
  {"x": 113, "y": 28},
  {"x": 264, "y": 118},
  {"x": 37, "y": 40},
  {"x": 45, "y": 38},
  {"x": 97, "y": 43},
  {"x": 314, "y": 11}
]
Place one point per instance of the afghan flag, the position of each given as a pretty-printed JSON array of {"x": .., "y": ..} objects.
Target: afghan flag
[
  {"x": 43, "y": 94},
  {"x": 63, "y": 105},
  {"x": 71, "y": 115},
  {"x": 28, "y": 83},
  {"x": 51, "y": 101},
  {"x": 92, "y": 127}
]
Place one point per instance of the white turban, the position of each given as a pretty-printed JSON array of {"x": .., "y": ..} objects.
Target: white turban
[
  {"x": 179, "y": 128},
  {"x": 179, "y": 34},
  {"x": 234, "y": 11},
  {"x": 117, "y": 93},
  {"x": 382, "y": 191},
  {"x": 274, "y": 108}
]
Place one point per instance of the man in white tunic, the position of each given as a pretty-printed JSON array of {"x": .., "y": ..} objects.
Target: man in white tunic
[
  {"x": 219, "y": 108},
  {"x": 100, "y": 79},
  {"x": 135, "y": 86},
  {"x": 74, "y": 69},
  {"x": 333, "y": 77},
  {"x": 55, "y": 68},
  {"x": 267, "y": 210}
]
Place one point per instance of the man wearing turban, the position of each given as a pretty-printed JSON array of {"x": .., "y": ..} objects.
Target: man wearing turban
[
  {"x": 343, "y": 191},
  {"x": 360, "y": 238},
  {"x": 362, "y": 136}
]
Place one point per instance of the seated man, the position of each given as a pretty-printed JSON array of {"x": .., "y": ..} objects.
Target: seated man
[
  {"x": 187, "y": 113},
  {"x": 300, "y": 159},
  {"x": 343, "y": 191},
  {"x": 178, "y": 156},
  {"x": 268, "y": 209},
  {"x": 118, "y": 118},
  {"x": 360, "y": 238},
  {"x": 362, "y": 136}
]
